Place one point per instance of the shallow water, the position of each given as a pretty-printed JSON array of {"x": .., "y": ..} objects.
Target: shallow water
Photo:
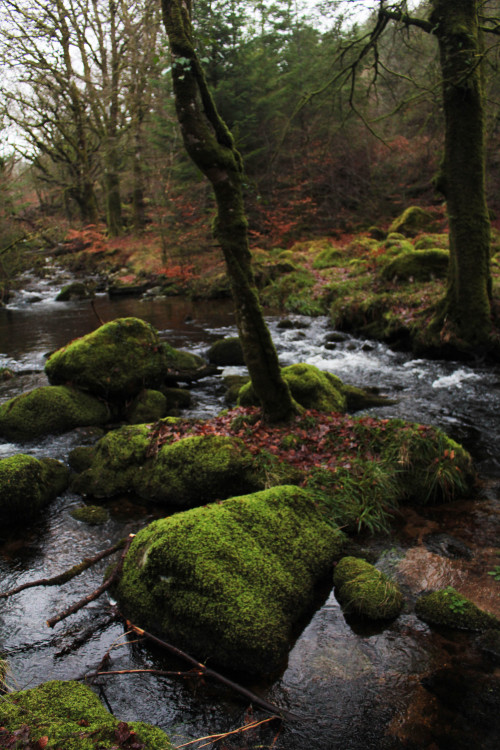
[{"x": 353, "y": 687}]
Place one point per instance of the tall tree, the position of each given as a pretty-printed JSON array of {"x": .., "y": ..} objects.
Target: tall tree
[{"x": 211, "y": 146}]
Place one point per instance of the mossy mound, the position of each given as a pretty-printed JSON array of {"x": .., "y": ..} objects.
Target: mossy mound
[
  {"x": 419, "y": 265},
  {"x": 228, "y": 581},
  {"x": 50, "y": 409},
  {"x": 448, "y": 608},
  {"x": 185, "y": 473},
  {"x": 148, "y": 406},
  {"x": 358, "y": 399},
  {"x": 177, "y": 398},
  {"x": 431, "y": 241},
  {"x": 413, "y": 221},
  {"x": 69, "y": 715},
  {"x": 310, "y": 387},
  {"x": 80, "y": 458},
  {"x": 117, "y": 360},
  {"x": 366, "y": 591},
  {"x": 226, "y": 352},
  {"x": 28, "y": 484},
  {"x": 328, "y": 258},
  {"x": 94, "y": 515},
  {"x": 75, "y": 290}
]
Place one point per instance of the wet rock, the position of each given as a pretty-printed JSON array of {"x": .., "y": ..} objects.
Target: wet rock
[
  {"x": 75, "y": 290},
  {"x": 288, "y": 323},
  {"x": 366, "y": 591},
  {"x": 447, "y": 546},
  {"x": 227, "y": 581},
  {"x": 335, "y": 337},
  {"x": 226, "y": 352},
  {"x": 27, "y": 484},
  {"x": 69, "y": 715},
  {"x": 94, "y": 515},
  {"x": 148, "y": 406},
  {"x": 448, "y": 608},
  {"x": 489, "y": 644}
]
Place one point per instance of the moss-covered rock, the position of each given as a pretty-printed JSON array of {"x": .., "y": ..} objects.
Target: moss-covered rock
[
  {"x": 75, "y": 290},
  {"x": 182, "y": 474},
  {"x": 310, "y": 387},
  {"x": 94, "y": 515},
  {"x": 366, "y": 591},
  {"x": 228, "y": 581},
  {"x": 226, "y": 352},
  {"x": 148, "y": 406},
  {"x": 359, "y": 398},
  {"x": 117, "y": 360},
  {"x": 419, "y": 265},
  {"x": 80, "y": 458},
  {"x": 70, "y": 716},
  {"x": 28, "y": 484},
  {"x": 430, "y": 241},
  {"x": 50, "y": 409},
  {"x": 177, "y": 398},
  {"x": 327, "y": 258},
  {"x": 448, "y": 608},
  {"x": 413, "y": 221}
]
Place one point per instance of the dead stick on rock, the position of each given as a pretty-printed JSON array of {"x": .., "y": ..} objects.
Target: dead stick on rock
[
  {"x": 206, "y": 672},
  {"x": 95, "y": 594},
  {"x": 66, "y": 575}
]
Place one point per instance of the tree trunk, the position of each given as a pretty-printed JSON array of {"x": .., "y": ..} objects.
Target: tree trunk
[
  {"x": 466, "y": 310},
  {"x": 210, "y": 145}
]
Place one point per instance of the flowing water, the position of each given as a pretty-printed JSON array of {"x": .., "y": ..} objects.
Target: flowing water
[{"x": 352, "y": 686}]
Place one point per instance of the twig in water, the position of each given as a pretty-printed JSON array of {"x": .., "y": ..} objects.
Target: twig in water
[{"x": 217, "y": 737}]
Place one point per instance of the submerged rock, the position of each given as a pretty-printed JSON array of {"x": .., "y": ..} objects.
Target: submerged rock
[
  {"x": 50, "y": 409},
  {"x": 69, "y": 715},
  {"x": 229, "y": 580},
  {"x": 27, "y": 484},
  {"x": 185, "y": 473},
  {"x": 94, "y": 515},
  {"x": 449, "y": 608},
  {"x": 366, "y": 591}
]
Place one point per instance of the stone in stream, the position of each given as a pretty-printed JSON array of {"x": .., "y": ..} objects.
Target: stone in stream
[
  {"x": 366, "y": 591},
  {"x": 228, "y": 581},
  {"x": 27, "y": 484},
  {"x": 69, "y": 715},
  {"x": 448, "y": 608}
]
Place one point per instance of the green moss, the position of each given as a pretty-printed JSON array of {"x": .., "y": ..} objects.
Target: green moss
[
  {"x": 28, "y": 484},
  {"x": 178, "y": 360},
  {"x": 292, "y": 292},
  {"x": 116, "y": 361},
  {"x": 328, "y": 257},
  {"x": 358, "y": 398},
  {"x": 413, "y": 221},
  {"x": 49, "y": 409},
  {"x": 185, "y": 473},
  {"x": 365, "y": 590},
  {"x": 228, "y": 581},
  {"x": 431, "y": 241},
  {"x": 226, "y": 352},
  {"x": 148, "y": 406},
  {"x": 80, "y": 458},
  {"x": 76, "y": 290},
  {"x": 71, "y": 716},
  {"x": 177, "y": 398},
  {"x": 419, "y": 265},
  {"x": 449, "y": 608},
  {"x": 94, "y": 515},
  {"x": 310, "y": 387}
]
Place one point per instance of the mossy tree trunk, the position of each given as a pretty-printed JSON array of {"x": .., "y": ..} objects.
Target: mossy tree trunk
[
  {"x": 466, "y": 310},
  {"x": 210, "y": 144}
]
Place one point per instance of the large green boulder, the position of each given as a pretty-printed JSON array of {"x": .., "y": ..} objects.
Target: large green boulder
[
  {"x": 228, "y": 581},
  {"x": 117, "y": 360},
  {"x": 310, "y": 387},
  {"x": 419, "y": 265},
  {"x": 414, "y": 220},
  {"x": 366, "y": 591},
  {"x": 226, "y": 352},
  {"x": 28, "y": 484},
  {"x": 448, "y": 608},
  {"x": 148, "y": 406},
  {"x": 50, "y": 409},
  {"x": 57, "y": 715},
  {"x": 184, "y": 473}
]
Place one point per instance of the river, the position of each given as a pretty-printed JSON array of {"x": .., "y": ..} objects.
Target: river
[{"x": 354, "y": 687}]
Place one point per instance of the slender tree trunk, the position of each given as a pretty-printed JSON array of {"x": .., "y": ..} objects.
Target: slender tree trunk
[
  {"x": 467, "y": 314},
  {"x": 211, "y": 146}
]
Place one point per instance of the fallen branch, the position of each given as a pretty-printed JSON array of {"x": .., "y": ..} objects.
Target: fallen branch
[
  {"x": 279, "y": 713},
  {"x": 97, "y": 593},
  {"x": 216, "y": 737},
  {"x": 66, "y": 575},
  {"x": 158, "y": 672}
]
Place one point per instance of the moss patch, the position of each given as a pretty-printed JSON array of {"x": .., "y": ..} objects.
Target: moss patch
[
  {"x": 27, "y": 484},
  {"x": 70, "y": 716},
  {"x": 449, "y": 608},
  {"x": 366, "y": 591},
  {"x": 420, "y": 265},
  {"x": 148, "y": 406},
  {"x": 94, "y": 515},
  {"x": 414, "y": 220},
  {"x": 49, "y": 409},
  {"x": 228, "y": 581},
  {"x": 226, "y": 352}
]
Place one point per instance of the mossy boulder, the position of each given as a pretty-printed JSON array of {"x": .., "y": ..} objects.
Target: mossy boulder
[
  {"x": 413, "y": 221},
  {"x": 117, "y": 360},
  {"x": 430, "y": 241},
  {"x": 310, "y": 387},
  {"x": 69, "y": 715},
  {"x": 27, "y": 484},
  {"x": 359, "y": 398},
  {"x": 366, "y": 591},
  {"x": 228, "y": 581},
  {"x": 148, "y": 406},
  {"x": 94, "y": 515},
  {"x": 50, "y": 409},
  {"x": 80, "y": 458},
  {"x": 75, "y": 290},
  {"x": 327, "y": 258},
  {"x": 448, "y": 608},
  {"x": 226, "y": 352},
  {"x": 177, "y": 398},
  {"x": 185, "y": 473},
  {"x": 419, "y": 265}
]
